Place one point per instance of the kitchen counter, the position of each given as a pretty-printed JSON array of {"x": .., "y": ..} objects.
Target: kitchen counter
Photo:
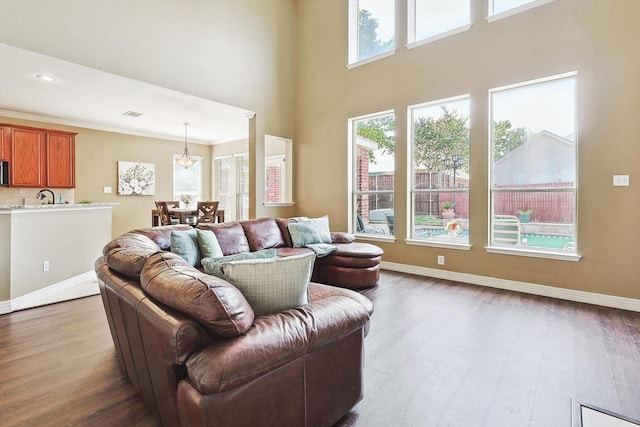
[
  {"x": 49, "y": 247},
  {"x": 57, "y": 206}
]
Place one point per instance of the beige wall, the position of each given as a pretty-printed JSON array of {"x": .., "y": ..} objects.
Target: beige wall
[{"x": 596, "y": 38}]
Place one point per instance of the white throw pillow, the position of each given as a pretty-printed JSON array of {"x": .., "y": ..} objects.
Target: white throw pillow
[{"x": 272, "y": 285}]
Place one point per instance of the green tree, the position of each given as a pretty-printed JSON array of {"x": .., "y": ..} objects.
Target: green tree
[
  {"x": 506, "y": 139},
  {"x": 380, "y": 130},
  {"x": 368, "y": 42},
  {"x": 436, "y": 139}
]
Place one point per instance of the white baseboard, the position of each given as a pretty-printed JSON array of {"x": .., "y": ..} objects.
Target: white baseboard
[
  {"x": 79, "y": 286},
  {"x": 512, "y": 285}
]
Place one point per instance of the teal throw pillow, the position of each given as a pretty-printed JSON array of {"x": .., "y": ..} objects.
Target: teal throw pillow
[
  {"x": 213, "y": 266},
  {"x": 185, "y": 244},
  {"x": 315, "y": 230},
  {"x": 208, "y": 244},
  {"x": 272, "y": 285}
]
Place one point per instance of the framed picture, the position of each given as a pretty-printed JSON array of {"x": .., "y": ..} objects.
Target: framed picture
[{"x": 136, "y": 179}]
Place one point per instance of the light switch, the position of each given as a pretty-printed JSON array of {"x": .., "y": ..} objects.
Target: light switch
[
  {"x": 107, "y": 190},
  {"x": 620, "y": 180}
]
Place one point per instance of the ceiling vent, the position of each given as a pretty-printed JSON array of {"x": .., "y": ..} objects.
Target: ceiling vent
[{"x": 131, "y": 114}]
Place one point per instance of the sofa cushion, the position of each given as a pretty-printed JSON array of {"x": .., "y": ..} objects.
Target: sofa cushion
[
  {"x": 185, "y": 244},
  {"x": 283, "y": 225},
  {"x": 215, "y": 303},
  {"x": 315, "y": 230},
  {"x": 272, "y": 285},
  {"x": 263, "y": 233},
  {"x": 161, "y": 235},
  {"x": 208, "y": 244},
  {"x": 230, "y": 235},
  {"x": 213, "y": 266}
]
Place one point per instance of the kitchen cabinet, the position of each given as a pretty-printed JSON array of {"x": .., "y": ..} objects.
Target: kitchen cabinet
[
  {"x": 41, "y": 157},
  {"x": 60, "y": 160},
  {"x": 5, "y": 142}
]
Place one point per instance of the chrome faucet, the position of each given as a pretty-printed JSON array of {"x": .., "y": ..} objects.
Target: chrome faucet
[{"x": 41, "y": 196}]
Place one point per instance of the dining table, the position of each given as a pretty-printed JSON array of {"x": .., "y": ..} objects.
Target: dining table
[{"x": 184, "y": 215}]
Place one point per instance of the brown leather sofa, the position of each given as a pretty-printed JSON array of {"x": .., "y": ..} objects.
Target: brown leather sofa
[
  {"x": 194, "y": 350},
  {"x": 353, "y": 265}
]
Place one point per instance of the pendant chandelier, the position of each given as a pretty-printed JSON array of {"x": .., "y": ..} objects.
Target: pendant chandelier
[{"x": 186, "y": 161}]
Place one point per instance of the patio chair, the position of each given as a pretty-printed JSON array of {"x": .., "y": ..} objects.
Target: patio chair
[
  {"x": 391, "y": 222},
  {"x": 505, "y": 230},
  {"x": 361, "y": 227}
]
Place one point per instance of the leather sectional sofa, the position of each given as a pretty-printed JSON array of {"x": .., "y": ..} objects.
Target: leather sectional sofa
[{"x": 194, "y": 350}]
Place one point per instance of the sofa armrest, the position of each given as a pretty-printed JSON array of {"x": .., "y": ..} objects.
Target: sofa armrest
[
  {"x": 342, "y": 237},
  {"x": 273, "y": 341}
]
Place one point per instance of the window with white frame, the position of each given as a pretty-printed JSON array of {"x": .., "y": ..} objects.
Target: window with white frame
[
  {"x": 440, "y": 171},
  {"x": 533, "y": 165},
  {"x": 373, "y": 163},
  {"x": 429, "y": 20},
  {"x": 187, "y": 183},
  {"x": 371, "y": 29},
  {"x": 231, "y": 185},
  {"x": 503, "y": 8}
]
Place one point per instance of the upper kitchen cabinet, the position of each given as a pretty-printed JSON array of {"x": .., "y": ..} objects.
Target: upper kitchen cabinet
[
  {"x": 5, "y": 142},
  {"x": 60, "y": 160},
  {"x": 42, "y": 158}
]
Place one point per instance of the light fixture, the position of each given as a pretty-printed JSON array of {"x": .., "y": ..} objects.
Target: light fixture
[
  {"x": 46, "y": 78},
  {"x": 186, "y": 161}
]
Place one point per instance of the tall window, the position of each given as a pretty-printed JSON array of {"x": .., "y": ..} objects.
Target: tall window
[
  {"x": 433, "y": 19},
  {"x": 440, "y": 171},
  {"x": 373, "y": 148},
  {"x": 505, "y": 8},
  {"x": 187, "y": 183},
  {"x": 371, "y": 29},
  {"x": 232, "y": 186},
  {"x": 533, "y": 165}
]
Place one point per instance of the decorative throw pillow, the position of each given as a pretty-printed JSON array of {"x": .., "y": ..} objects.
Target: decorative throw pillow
[
  {"x": 315, "y": 230},
  {"x": 213, "y": 266},
  {"x": 272, "y": 285},
  {"x": 185, "y": 244},
  {"x": 208, "y": 244}
]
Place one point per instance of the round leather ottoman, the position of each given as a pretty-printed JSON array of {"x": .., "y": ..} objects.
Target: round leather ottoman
[{"x": 353, "y": 266}]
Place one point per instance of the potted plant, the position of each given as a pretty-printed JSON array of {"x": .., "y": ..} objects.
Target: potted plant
[
  {"x": 448, "y": 211},
  {"x": 525, "y": 216},
  {"x": 453, "y": 228}
]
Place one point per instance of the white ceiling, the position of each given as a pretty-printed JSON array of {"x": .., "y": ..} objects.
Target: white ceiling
[{"x": 90, "y": 98}]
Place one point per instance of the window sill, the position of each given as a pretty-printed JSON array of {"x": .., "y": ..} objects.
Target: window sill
[
  {"x": 375, "y": 237},
  {"x": 446, "y": 245},
  {"x": 440, "y": 36},
  {"x": 372, "y": 59},
  {"x": 520, "y": 251},
  {"x": 276, "y": 205}
]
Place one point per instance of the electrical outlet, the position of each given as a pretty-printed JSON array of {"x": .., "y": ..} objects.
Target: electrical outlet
[
  {"x": 440, "y": 259},
  {"x": 620, "y": 180},
  {"x": 45, "y": 266},
  {"x": 106, "y": 190}
]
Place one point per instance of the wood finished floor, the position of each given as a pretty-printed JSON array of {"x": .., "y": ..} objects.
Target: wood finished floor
[{"x": 439, "y": 353}]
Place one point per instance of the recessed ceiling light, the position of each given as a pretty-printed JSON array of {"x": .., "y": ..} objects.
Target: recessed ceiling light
[{"x": 46, "y": 78}]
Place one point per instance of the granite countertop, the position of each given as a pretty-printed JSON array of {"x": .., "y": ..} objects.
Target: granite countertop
[{"x": 58, "y": 206}]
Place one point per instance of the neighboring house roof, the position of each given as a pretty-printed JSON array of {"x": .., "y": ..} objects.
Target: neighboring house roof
[{"x": 544, "y": 158}]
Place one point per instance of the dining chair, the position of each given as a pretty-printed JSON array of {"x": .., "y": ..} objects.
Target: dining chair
[
  {"x": 207, "y": 211},
  {"x": 163, "y": 213}
]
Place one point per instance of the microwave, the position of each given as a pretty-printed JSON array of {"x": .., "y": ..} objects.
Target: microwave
[{"x": 4, "y": 174}]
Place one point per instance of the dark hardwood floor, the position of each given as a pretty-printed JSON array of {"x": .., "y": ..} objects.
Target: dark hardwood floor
[{"x": 439, "y": 353}]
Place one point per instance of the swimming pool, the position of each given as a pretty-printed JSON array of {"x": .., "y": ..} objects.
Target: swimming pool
[{"x": 534, "y": 240}]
